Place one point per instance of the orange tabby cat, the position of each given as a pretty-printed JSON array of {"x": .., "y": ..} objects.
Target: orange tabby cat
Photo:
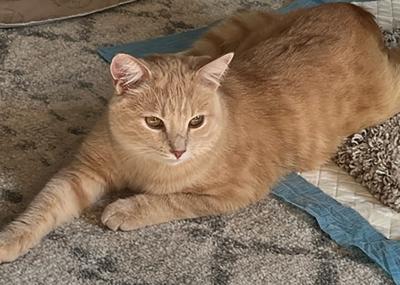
[{"x": 199, "y": 138}]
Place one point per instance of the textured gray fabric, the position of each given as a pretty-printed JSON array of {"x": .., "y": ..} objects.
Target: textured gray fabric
[
  {"x": 372, "y": 156},
  {"x": 53, "y": 86}
]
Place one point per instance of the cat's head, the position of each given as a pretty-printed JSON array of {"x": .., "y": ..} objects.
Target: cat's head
[{"x": 167, "y": 108}]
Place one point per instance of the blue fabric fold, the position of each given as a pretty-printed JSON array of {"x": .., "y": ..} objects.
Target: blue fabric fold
[{"x": 342, "y": 224}]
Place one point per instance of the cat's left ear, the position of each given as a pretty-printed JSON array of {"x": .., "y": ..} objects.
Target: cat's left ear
[
  {"x": 212, "y": 72},
  {"x": 127, "y": 71}
]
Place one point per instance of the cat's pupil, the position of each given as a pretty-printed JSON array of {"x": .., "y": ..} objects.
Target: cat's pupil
[
  {"x": 196, "y": 121},
  {"x": 154, "y": 122}
]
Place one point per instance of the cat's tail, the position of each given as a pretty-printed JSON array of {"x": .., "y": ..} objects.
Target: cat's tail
[{"x": 229, "y": 34}]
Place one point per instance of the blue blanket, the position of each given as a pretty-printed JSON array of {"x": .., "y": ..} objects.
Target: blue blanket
[{"x": 341, "y": 223}]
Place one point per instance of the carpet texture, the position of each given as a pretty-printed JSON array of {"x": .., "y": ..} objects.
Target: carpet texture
[{"x": 53, "y": 86}]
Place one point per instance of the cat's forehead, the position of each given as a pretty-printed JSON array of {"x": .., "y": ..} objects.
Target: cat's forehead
[
  {"x": 173, "y": 78},
  {"x": 180, "y": 66},
  {"x": 175, "y": 97},
  {"x": 172, "y": 86}
]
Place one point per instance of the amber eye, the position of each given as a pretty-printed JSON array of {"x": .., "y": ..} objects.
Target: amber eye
[
  {"x": 154, "y": 123},
  {"x": 196, "y": 122}
]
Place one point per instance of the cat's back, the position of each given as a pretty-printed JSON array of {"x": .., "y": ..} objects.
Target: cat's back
[
  {"x": 305, "y": 84},
  {"x": 340, "y": 19},
  {"x": 331, "y": 43},
  {"x": 322, "y": 29}
]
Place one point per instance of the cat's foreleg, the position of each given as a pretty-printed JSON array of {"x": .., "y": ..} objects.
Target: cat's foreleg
[
  {"x": 63, "y": 198},
  {"x": 144, "y": 209}
]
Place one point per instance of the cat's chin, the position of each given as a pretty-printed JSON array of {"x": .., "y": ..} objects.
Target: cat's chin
[{"x": 174, "y": 161}]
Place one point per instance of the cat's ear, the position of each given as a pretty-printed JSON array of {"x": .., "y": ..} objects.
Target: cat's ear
[
  {"x": 212, "y": 72},
  {"x": 127, "y": 72}
]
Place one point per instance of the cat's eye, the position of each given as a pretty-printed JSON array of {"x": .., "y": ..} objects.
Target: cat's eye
[
  {"x": 196, "y": 122},
  {"x": 154, "y": 123}
]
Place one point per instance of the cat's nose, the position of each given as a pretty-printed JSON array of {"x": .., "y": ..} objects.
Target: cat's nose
[{"x": 178, "y": 153}]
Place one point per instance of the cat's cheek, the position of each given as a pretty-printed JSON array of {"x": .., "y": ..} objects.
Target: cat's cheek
[{"x": 203, "y": 134}]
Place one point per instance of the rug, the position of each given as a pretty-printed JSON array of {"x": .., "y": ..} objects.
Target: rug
[
  {"x": 53, "y": 87},
  {"x": 29, "y": 12}
]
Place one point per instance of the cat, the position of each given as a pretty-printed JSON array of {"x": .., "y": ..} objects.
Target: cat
[{"x": 211, "y": 130}]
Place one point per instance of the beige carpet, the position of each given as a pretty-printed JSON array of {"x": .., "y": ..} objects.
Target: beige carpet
[{"x": 53, "y": 86}]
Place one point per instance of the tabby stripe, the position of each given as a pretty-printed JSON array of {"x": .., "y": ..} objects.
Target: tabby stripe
[{"x": 76, "y": 187}]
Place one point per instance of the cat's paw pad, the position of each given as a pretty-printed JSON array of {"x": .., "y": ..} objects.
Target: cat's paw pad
[{"x": 122, "y": 215}]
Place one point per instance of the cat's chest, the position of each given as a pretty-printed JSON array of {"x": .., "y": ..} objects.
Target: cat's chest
[{"x": 161, "y": 181}]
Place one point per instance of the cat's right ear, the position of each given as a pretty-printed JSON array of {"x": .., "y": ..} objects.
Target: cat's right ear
[
  {"x": 127, "y": 71},
  {"x": 211, "y": 73}
]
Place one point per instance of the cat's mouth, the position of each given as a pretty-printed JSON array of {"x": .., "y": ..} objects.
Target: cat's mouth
[{"x": 172, "y": 160}]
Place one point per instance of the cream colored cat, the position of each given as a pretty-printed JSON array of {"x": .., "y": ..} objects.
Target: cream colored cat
[{"x": 204, "y": 137}]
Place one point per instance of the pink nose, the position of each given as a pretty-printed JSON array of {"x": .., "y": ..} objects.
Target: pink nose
[{"x": 178, "y": 153}]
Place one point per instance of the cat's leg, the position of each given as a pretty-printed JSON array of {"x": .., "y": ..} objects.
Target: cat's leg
[
  {"x": 143, "y": 210},
  {"x": 63, "y": 198}
]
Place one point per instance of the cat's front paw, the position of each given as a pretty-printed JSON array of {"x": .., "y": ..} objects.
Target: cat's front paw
[
  {"x": 13, "y": 245},
  {"x": 125, "y": 214}
]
